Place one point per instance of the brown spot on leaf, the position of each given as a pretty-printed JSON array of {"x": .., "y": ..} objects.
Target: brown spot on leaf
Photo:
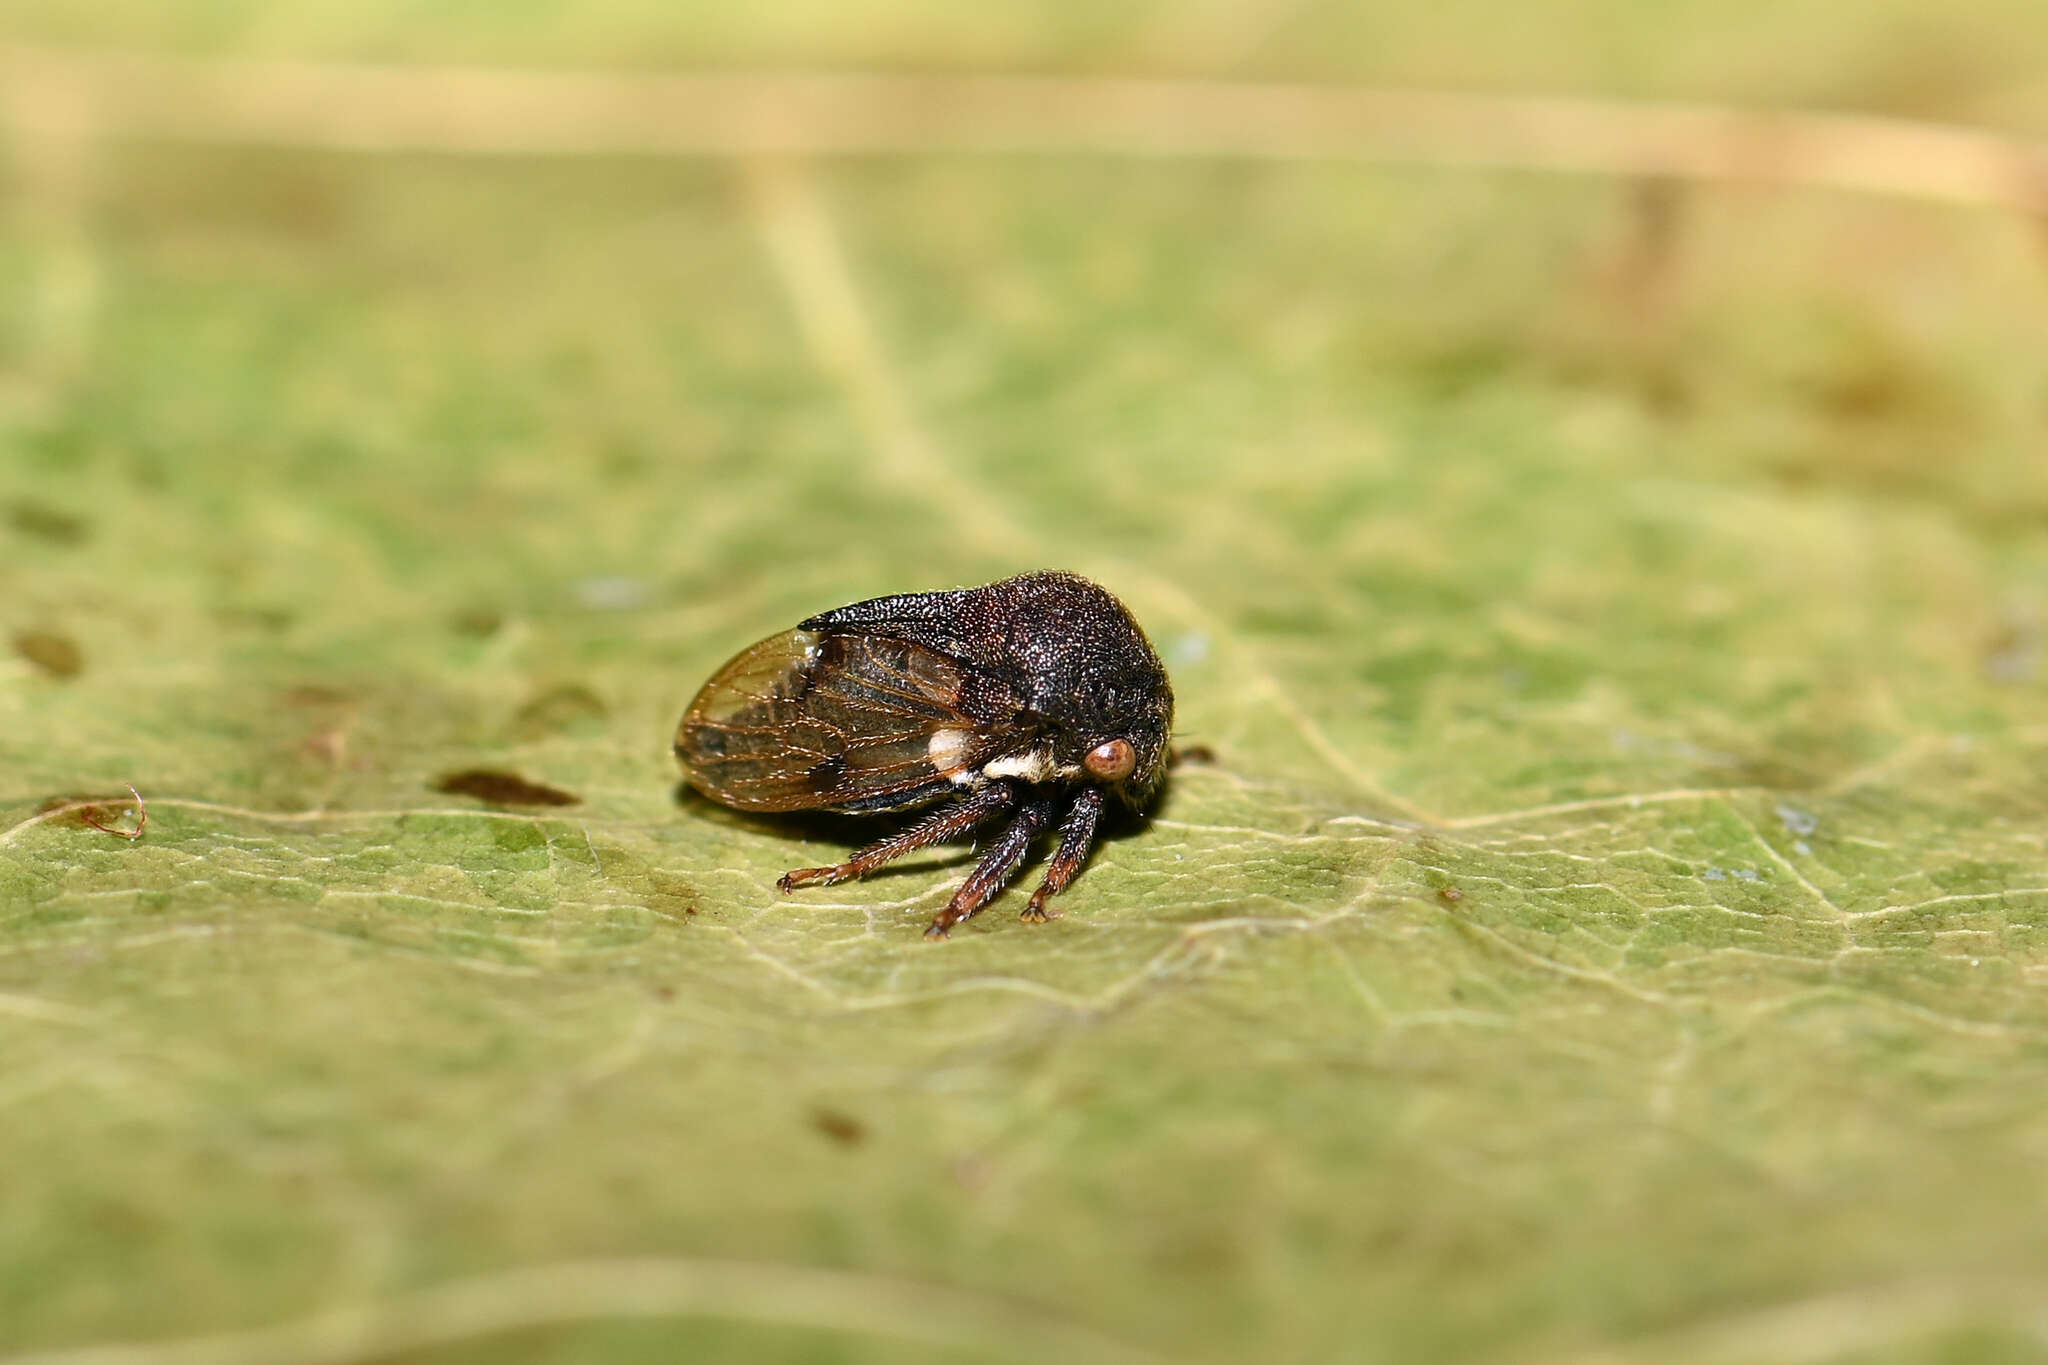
[
  {"x": 57, "y": 655},
  {"x": 1449, "y": 895},
  {"x": 502, "y": 788},
  {"x": 44, "y": 522},
  {"x": 72, "y": 810},
  {"x": 479, "y": 623},
  {"x": 1189, "y": 753},
  {"x": 842, "y": 1128}
]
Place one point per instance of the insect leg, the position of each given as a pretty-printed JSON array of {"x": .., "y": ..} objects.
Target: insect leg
[
  {"x": 1077, "y": 837},
  {"x": 996, "y": 867},
  {"x": 940, "y": 825}
]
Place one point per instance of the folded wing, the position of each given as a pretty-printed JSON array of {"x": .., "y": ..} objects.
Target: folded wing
[{"x": 808, "y": 720}]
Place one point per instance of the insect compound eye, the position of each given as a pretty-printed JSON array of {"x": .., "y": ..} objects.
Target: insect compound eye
[{"x": 1111, "y": 762}]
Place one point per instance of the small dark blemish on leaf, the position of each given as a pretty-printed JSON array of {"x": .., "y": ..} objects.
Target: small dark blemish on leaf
[
  {"x": 57, "y": 655},
  {"x": 666, "y": 894},
  {"x": 842, "y": 1128},
  {"x": 44, "y": 522},
  {"x": 72, "y": 810},
  {"x": 315, "y": 694},
  {"x": 502, "y": 788},
  {"x": 1449, "y": 895},
  {"x": 477, "y": 622},
  {"x": 1191, "y": 753}
]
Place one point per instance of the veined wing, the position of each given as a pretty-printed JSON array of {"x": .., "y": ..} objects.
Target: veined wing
[{"x": 807, "y": 720}]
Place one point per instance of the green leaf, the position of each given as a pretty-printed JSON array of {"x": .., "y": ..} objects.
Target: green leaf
[{"x": 1613, "y": 925}]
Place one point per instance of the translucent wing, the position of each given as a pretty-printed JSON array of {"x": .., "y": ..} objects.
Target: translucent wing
[{"x": 807, "y": 720}]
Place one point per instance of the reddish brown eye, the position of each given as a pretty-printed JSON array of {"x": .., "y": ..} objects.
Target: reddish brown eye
[{"x": 1111, "y": 762}]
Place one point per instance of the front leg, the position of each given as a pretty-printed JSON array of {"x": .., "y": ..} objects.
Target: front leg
[
  {"x": 1077, "y": 837},
  {"x": 941, "y": 825},
  {"x": 996, "y": 867}
]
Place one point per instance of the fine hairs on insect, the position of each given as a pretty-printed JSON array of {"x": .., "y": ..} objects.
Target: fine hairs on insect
[{"x": 1030, "y": 704}]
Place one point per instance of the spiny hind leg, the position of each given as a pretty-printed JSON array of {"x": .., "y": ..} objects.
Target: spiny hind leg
[{"x": 947, "y": 823}]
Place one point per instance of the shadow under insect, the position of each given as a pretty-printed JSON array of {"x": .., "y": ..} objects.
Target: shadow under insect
[
  {"x": 815, "y": 827},
  {"x": 853, "y": 832}
]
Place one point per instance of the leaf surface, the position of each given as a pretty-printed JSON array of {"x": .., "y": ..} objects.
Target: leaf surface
[{"x": 1613, "y": 926}]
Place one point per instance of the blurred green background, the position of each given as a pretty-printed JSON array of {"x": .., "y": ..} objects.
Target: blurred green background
[{"x": 1614, "y": 927}]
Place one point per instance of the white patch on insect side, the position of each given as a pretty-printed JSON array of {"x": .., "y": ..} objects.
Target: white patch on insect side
[
  {"x": 947, "y": 747},
  {"x": 1033, "y": 765}
]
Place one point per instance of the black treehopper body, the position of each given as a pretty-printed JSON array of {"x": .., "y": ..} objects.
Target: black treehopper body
[{"x": 1034, "y": 701}]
